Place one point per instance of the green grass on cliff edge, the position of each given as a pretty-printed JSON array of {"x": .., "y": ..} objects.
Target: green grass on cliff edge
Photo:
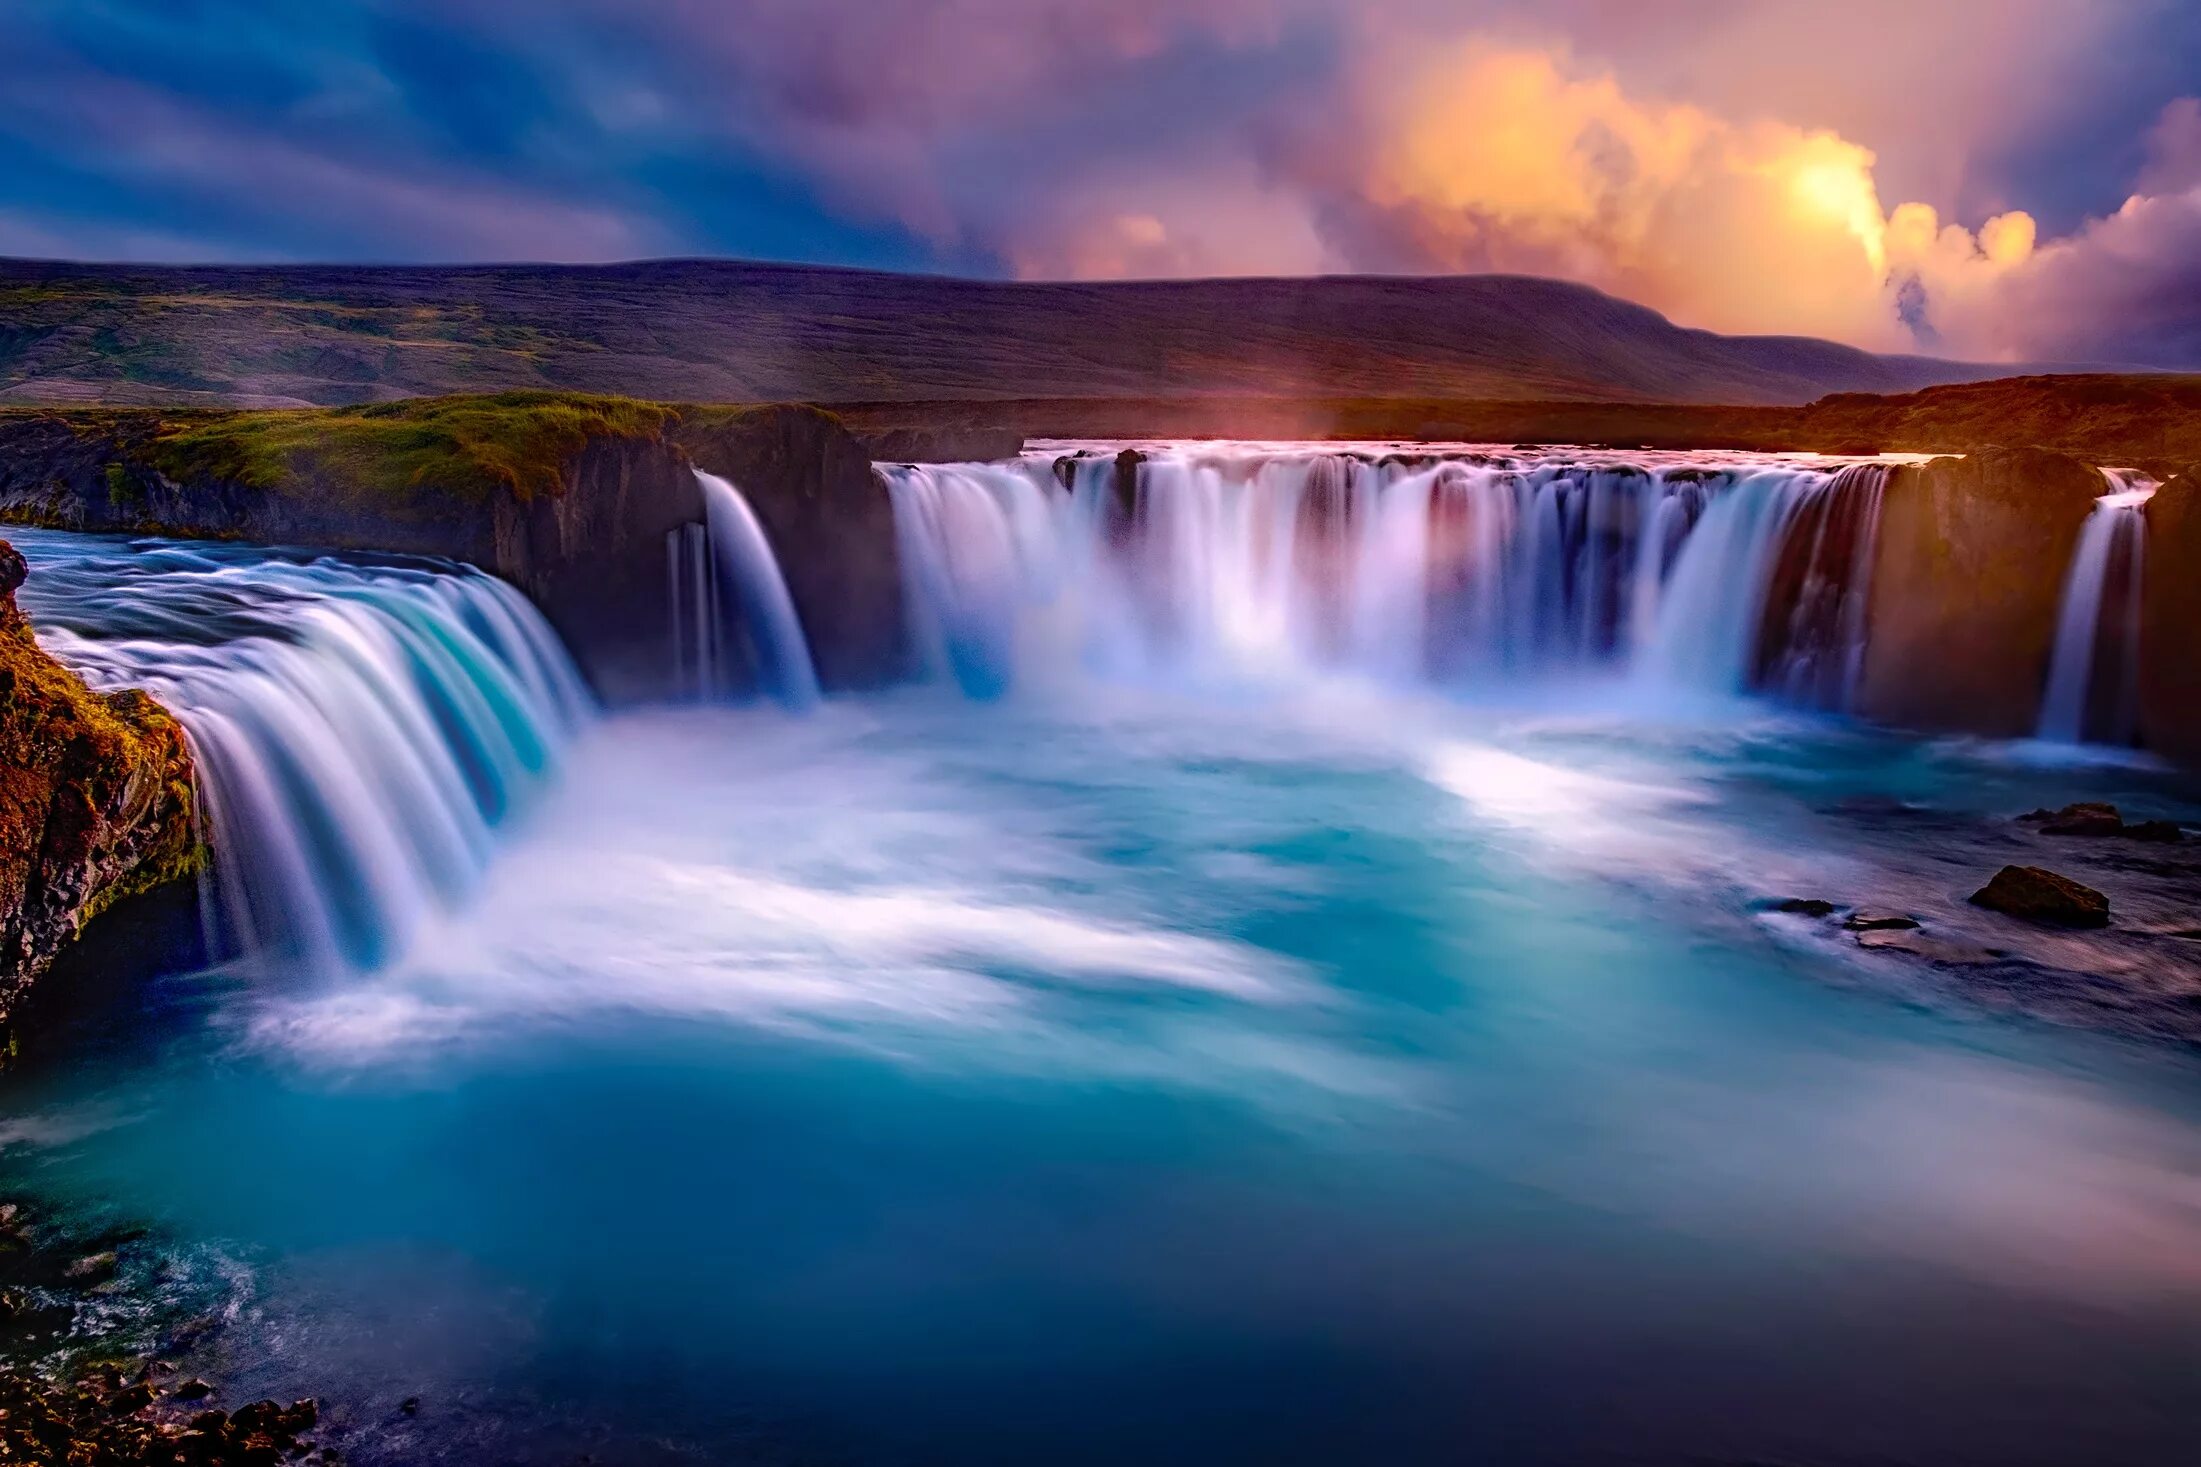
[{"x": 463, "y": 447}]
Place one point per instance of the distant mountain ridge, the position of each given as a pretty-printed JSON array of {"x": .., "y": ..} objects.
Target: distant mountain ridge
[{"x": 733, "y": 331}]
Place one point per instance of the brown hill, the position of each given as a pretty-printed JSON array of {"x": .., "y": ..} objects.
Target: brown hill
[{"x": 738, "y": 332}]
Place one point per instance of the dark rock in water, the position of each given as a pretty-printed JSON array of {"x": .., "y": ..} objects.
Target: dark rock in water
[
  {"x": 93, "y": 1268},
  {"x": 193, "y": 1389},
  {"x": 1937, "y": 950},
  {"x": 2084, "y": 819},
  {"x": 1864, "y": 919},
  {"x": 410, "y": 1406},
  {"x": 1805, "y": 907},
  {"x": 2039, "y": 895},
  {"x": 2093, "y": 818},
  {"x": 1127, "y": 483},
  {"x": 130, "y": 1400}
]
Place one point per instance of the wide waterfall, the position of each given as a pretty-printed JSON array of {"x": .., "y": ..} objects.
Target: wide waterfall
[
  {"x": 2093, "y": 693},
  {"x": 360, "y": 726},
  {"x": 1715, "y": 575},
  {"x": 733, "y": 620}
]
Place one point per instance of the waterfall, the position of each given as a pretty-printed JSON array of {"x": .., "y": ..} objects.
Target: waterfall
[
  {"x": 731, "y": 611},
  {"x": 360, "y": 727},
  {"x": 2093, "y": 678},
  {"x": 1811, "y": 642},
  {"x": 1466, "y": 569}
]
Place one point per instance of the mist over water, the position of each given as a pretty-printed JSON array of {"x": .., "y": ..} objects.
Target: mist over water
[{"x": 1269, "y": 996}]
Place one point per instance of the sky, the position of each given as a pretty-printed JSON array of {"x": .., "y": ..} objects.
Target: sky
[{"x": 2002, "y": 180}]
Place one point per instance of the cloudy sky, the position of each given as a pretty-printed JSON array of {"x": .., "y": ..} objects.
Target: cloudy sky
[{"x": 2001, "y": 179}]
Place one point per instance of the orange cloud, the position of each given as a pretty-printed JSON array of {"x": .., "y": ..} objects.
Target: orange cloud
[{"x": 1500, "y": 158}]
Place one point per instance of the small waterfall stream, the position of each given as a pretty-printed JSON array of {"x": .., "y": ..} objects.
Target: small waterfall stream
[
  {"x": 1470, "y": 569},
  {"x": 361, "y": 727},
  {"x": 2093, "y": 678},
  {"x": 731, "y": 611}
]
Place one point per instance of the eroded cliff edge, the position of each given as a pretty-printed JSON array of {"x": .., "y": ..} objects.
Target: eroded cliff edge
[
  {"x": 2170, "y": 621},
  {"x": 1968, "y": 572},
  {"x": 569, "y": 498},
  {"x": 95, "y": 798}
]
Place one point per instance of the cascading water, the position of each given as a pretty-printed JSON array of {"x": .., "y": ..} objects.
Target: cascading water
[
  {"x": 2093, "y": 679},
  {"x": 731, "y": 612},
  {"x": 360, "y": 727},
  {"x": 1461, "y": 569}
]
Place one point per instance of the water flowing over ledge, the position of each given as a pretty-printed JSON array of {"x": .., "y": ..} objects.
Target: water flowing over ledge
[
  {"x": 2093, "y": 693},
  {"x": 1711, "y": 574},
  {"x": 360, "y": 727},
  {"x": 731, "y": 610}
]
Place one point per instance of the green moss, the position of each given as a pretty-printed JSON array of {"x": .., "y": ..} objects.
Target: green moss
[{"x": 463, "y": 448}]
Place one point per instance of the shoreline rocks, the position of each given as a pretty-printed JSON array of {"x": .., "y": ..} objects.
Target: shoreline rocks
[{"x": 81, "y": 1405}]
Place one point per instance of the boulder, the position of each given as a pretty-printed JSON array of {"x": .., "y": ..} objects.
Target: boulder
[
  {"x": 2170, "y": 619},
  {"x": 1967, "y": 577},
  {"x": 2040, "y": 895}
]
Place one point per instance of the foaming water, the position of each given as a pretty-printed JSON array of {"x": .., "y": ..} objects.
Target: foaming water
[
  {"x": 1474, "y": 569},
  {"x": 2093, "y": 693},
  {"x": 360, "y": 727},
  {"x": 1257, "y": 1037}
]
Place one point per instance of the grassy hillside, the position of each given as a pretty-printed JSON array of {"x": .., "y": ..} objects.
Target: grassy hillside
[{"x": 735, "y": 332}]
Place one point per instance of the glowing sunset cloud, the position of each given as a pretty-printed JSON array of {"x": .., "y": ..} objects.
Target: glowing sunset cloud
[{"x": 2008, "y": 179}]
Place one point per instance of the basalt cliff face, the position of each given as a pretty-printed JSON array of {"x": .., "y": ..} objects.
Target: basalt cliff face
[
  {"x": 2170, "y": 621},
  {"x": 1967, "y": 576},
  {"x": 569, "y": 499},
  {"x": 95, "y": 798}
]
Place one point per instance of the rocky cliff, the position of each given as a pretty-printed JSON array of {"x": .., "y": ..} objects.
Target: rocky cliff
[
  {"x": 2170, "y": 621},
  {"x": 1967, "y": 575},
  {"x": 569, "y": 498},
  {"x": 95, "y": 798},
  {"x": 828, "y": 516}
]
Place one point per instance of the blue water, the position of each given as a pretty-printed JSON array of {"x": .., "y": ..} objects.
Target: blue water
[{"x": 1318, "y": 1074}]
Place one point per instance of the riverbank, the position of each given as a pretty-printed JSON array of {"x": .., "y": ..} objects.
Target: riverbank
[{"x": 94, "y": 1361}]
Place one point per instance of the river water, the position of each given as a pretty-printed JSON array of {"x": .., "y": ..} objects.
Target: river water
[{"x": 1139, "y": 1065}]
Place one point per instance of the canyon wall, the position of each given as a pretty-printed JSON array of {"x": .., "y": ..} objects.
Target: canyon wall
[
  {"x": 95, "y": 799},
  {"x": 2170, "y": 621},
  {"x": 1967, "y": 578}
]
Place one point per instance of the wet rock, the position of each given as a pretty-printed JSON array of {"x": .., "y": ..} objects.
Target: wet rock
[
  {"x": 2039, "y": 895},
  {"x": 92, "y": 1268},
  {"x": 2161, "y": 832},
  {"x": 1865, "y": 919},
  {"x": 2082, "y": 819},
  {"x": 130, "y": 1400},
  {"x": 1938, "y": 950},
  {"x": 1805, "y": 906},
  {"x": 193, "y": 1389},
  {"x": 410, "y": 1406}
]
